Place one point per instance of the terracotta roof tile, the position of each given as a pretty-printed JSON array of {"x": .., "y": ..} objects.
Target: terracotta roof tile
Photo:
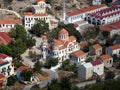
[
  {"x": 1, "y": 61},
  {"x": 85, "y": 10},
  {"x": 105, "y": 57},
  {"x": 72, "y": 38},
  {"x": 4, "y": 38},
  {"x": 10, "y": 22},
  {"x": 111, "y": 26},
  {"x": 96, "y": 62},
  {"x": 31, "y": 14},
  {"x": 22, "y": 68},
  {"x": 96, "y": 46},
  {"x": 114, "y": 47},
  {"x": 3, "y": 56},
  {"x": 78, "y": 53},
  {"x": 83, "y": 44},
  {"x": 1, "y": 75}
]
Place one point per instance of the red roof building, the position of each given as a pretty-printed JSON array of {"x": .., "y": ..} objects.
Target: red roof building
[
  {"x": 96, "y": 62},
  {"x": 4, "y": 38}
]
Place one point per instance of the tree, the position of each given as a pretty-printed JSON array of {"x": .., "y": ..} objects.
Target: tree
[
  {"x": 66, "y": 65},
  {"x": 48, "y": 1},
  {"x": 65, "y": 83},
  {"x": 109, "y": 75},
  {"x": 5, "y": 49},
  {"x": 37, "y": 67},
  {"x": 54, "y": 85},
  {"x": 17, "y": 62},
  {"x": 51, "y": 62},
  {"x": 58, "y": 8},
  {"x": 26, "y": 75},
  {"x": 40, "y": 28}
]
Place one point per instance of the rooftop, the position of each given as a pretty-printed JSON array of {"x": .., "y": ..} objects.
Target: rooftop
[
  {"x": 11, "y": 21},
  {"x": 63, "y": 31},
  {"x": 105, "y": 57},
  {"x": 96, "y": 46},
  {"x": 96, "y": 62},
  {"x": 3, "y": 56},
  {"x": 4, "y": 38},
  {"x": 85, "y": 10},
  {"x": 111, "y": 26},
  {"x": 78, "y": 53},
  {"x": 114, "y": 47},
  {"x": 35, "y": 15}
]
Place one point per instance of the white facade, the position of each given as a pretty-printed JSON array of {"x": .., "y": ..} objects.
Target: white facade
[
  {"x": 115, "y": 49},
  {"x": 85, "y": 71},
  {"x": 77, "y": 57},
  {"x": 31, "y": 19},
  {"x": 104, "y": 16},
  {"x": 98, "y": 67},
  {"x": 6, "y": 68},
  {"x": 81, "y": 14},
  {"x": 96, "y": 2},
  {"x": 9, "y": 23}
]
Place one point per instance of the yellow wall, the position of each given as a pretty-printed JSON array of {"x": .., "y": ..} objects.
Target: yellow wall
[{"x": 43, "y": 5}]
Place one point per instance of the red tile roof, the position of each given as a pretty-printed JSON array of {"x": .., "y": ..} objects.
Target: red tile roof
[
  {"x": 31, "y": 14},
  {"x": 83, "y": 44},
  {"x": 96, "y": 46},
  {"x": 1, "y": 76},
  {"x": 4, "y": 38},
  {"x": 22, "y": 68},
  {"x": 101, "y": 14},
  {"x": 85, "y": 10},
  {"x": 72, "y": 38},
  {"x": 78, "y": 53},
  {"x": 105, "y": 57},
  {"x": 111, "y": 26},
  {"x": 3, "y": 56},
  {"x": 10, "y": 22},
  {"x": 1, "y": 61},
  {"x": 96, "y": 62},
  {"x": 1, "y": 83},
  {"x": 114, "y": 47}
]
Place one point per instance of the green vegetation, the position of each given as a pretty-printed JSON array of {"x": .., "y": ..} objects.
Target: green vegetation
[
  {"x": 37, "y": 67},
  {"x": 26, "y": 75},
  {"x": 40, "y": 28},
  {"x": 51, "y": 62},
  {"x": 63, "y": 84},
  {"x": 67, "y": 67},
  {"x": 58, "y": 8},
  {"x": 48, "y": 1},
  {"x": 21, "y": 41}
]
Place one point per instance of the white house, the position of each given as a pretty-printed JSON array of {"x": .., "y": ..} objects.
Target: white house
[
  {"x": 98, "y": 67},
  {"x": 81, "y": 14},
  {"x": 6, "y": 68},
  {"x": 77, "y": 57},
  {"x": 115, "y": 49},
  {"x": 30, "y": 19},
  {"x": 5, "y": 57},
  {"x": 9, "y": 23},
  {"x": 85, "y": 71},
  {"x": 104, "y": 16},
  {"x": 38, "y": 13},
  {"x": 107, "y": 60}
]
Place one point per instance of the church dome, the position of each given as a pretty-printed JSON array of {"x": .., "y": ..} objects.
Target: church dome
[{"x": 63, "y": 31}]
